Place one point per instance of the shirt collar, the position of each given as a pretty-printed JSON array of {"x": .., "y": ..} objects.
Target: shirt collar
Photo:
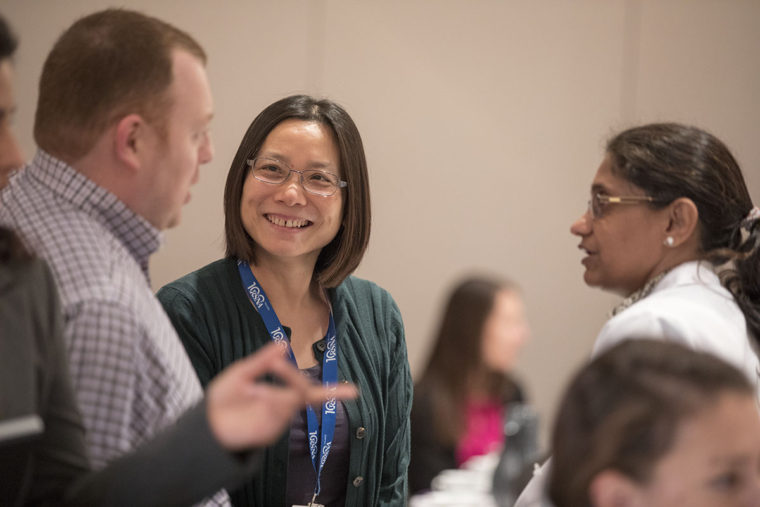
[
  {"x": 686, "y": 273},
  {"x": 137, "y": 235}
]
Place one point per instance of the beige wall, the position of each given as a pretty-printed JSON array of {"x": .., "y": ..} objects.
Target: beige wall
[{"x": 483, "y": 123}]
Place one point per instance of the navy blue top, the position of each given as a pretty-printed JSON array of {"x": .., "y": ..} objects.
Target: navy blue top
[{"x": 335, "y": 472}]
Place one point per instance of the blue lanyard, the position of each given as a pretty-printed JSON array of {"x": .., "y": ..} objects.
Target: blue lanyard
[{"x": 329, "y": 370}]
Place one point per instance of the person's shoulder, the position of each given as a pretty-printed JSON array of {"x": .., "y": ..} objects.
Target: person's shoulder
[
  {"x": 191, "y": 284},
  {"x": 208, "y": 290},
  {"x": 357, "y": 288},
  {"x": 694, "y": 282},
  {"x": 691, "y": 295},
  {"x": 30, "y": 276},
  {"x": 643, "y": 319},
  {"x": 697, "y": 315},
  {"x": 83, "y": 258},
  {"x": 371, "y": 310}
]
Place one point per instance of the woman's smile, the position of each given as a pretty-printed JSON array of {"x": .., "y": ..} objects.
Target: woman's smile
[{"x": 286, "y": 222}]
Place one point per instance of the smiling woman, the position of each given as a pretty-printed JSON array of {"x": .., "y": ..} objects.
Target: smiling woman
[
  {"x": 281, "y": 209},
  {"x": 297, "y": 220}
]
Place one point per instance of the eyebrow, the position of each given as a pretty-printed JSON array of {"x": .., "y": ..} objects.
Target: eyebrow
[
  {"x": 598, "y": 188},
  {"x": 282, "y": 158},
  {"x": 734, "y": 460}
]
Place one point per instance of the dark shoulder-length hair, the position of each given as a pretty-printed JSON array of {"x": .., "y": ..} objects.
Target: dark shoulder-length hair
[
  {"x": 457, "y": 356},
  {"x": 670, "y": 160},
  {"x": 342, "y": 255},
  {"x": 622, "y": 412}
]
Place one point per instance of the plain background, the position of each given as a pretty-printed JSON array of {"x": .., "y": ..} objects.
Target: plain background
[{"x": 483, "y": 123}]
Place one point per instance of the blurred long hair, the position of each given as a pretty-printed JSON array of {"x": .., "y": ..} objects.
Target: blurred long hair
[{"x": 456, "y": 363}]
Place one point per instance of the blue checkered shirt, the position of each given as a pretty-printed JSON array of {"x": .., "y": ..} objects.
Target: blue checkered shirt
[{"x": 130, "y": 372}]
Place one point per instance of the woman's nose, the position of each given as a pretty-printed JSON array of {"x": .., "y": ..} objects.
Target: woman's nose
[
  {"x": 292, "y": 192},
  {"x": 582, "y": 226}
]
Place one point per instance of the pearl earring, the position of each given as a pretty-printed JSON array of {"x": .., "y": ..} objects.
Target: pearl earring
[{"x": 669, "y": 241}]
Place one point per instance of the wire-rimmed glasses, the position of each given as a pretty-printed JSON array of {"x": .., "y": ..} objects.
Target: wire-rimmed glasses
[
  {"x": 598, "y": 202},
  {"x": 314, "y": 181}
]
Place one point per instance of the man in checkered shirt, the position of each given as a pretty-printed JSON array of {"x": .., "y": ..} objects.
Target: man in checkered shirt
[{"x": 122, "y": 129}]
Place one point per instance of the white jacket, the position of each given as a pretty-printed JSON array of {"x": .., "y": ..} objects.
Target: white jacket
[{"x": 688, "y": 306}]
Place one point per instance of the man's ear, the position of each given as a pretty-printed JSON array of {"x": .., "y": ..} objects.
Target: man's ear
[
  {"x": 683, "y": 221},
  {"x": 130, "y": 141},
  {"x": 610, "y": 488}
]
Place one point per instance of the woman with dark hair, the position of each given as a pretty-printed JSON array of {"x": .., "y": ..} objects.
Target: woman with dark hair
[
  {"x": 656, "y": 424},
  {"x": 671, "y": 226},
  {"x": 458, "y": 409},
  {"x": 297, "y": 222}
]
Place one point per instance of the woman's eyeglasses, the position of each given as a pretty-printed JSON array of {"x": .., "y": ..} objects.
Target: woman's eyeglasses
[
  {"x": 599, "y": 202},
  {"x": 314, "y": 181}
]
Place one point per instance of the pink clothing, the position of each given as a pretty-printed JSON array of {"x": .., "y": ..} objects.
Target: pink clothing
[{"x": 484, "y": 429}]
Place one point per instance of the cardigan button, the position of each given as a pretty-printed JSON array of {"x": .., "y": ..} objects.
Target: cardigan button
[
  {"x": 361, "y": 432},
  {"x": 321, "y": 345},
  {"x": 358, "y": 481}
]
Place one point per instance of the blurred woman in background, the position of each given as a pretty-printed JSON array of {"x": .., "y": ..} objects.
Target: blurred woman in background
[
  {"x": 459, "y": 402},
  {"x": 654, "y": 424}
]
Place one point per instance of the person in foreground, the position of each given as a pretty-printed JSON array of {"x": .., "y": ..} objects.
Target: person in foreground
[
  {"x": 44, "y": 459},
  {"x": 459, "y": 402},
  {"x": 649, "y": 423},
  {"x": 121, "y": 130},
  {"x": 671, "y": 226},
  {"x": 297, "y": 223}
]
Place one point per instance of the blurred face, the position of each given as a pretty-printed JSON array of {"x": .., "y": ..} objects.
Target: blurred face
[
  {"x": 624, "y": 246},
  {"x": 10, "y": 154},
  {"x": 174, "y": 166},
  {"x": 714, "y": 462},
  {"x": 505, "y": 331},
  {"x": 283, "y": 219}
]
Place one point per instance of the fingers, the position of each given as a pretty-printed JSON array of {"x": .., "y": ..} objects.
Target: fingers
[
  {"x": 346, "y": 391},
  {"x": 259, "y": 363},
  {"x": 245, "y": 412},
  {"x": 271, "y": 359},
  {"x": 317, "y": 394}
]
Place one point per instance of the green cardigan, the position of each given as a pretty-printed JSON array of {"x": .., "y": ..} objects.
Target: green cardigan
[{"x": 218, "y": 325}]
